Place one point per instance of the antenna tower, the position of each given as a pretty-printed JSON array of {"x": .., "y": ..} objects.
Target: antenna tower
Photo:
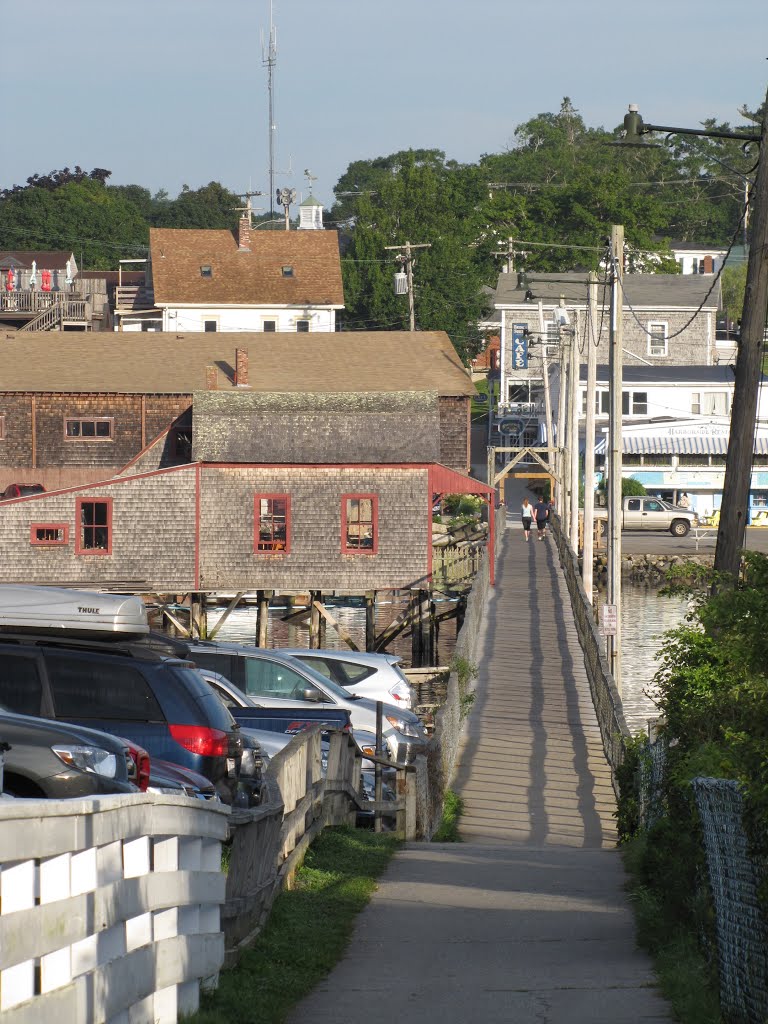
[{"x": 269, "y": 60}]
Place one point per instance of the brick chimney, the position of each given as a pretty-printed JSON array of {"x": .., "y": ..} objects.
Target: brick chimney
[
  {"x": 244, "y": 234},
  {"x": 241, "y": 367},
  {"x": 211, "y": 378}
]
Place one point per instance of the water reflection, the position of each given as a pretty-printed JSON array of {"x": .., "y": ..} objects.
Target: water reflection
[
  {"x": 241, "y": 628},
  {"x": 645, "y": 616}
]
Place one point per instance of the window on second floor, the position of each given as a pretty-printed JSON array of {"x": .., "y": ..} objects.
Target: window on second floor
[
  {"x": 94, "y": 527},
  {"x": 658, "y": 344},
  {"x": 302, "y": 326},
  {"x": 710, "y": 403},
  {"x": 634, "y": 403},
  {"x": 272, "y": 522},
  {"x": 210, "y": 326},
  {"x": 359, "y": 524},
  {"x": 269, "y": 326},
  {"x": 92, "y": 428}
]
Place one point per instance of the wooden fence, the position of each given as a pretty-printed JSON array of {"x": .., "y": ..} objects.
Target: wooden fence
[
  {"x": 116, "y": 909},
  {"x": 109, "y": 907}
]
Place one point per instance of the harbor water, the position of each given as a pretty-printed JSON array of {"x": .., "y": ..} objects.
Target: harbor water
[{"x": 646, "y": 615}]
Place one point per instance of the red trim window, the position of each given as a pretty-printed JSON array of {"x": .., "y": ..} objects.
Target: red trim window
[
  {"x": 91, "y": 428},
  {"x": 49, "y": 535},
  {"x": 94, "y": 527},
  {"x": 272, "y": 523},
  {"x": 359, "y": 524}
]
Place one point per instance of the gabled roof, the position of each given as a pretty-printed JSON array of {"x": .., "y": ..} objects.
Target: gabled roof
[
  {"x": 246, "y": 277},
  {"x": 163, "y": 363},
  {"x": 316, "y": 428},
  {"x": 47, "y": 259},
  {"x": 655, "y": 291}
]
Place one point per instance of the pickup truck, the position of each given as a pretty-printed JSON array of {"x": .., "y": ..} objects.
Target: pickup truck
[{"x": 654, "y": 514}]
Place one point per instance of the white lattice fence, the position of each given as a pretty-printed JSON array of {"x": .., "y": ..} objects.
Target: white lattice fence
[{"x": 109, "y": 908}]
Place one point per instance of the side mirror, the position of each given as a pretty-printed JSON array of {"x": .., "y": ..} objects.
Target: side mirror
[{"x": 312, "y": 694}]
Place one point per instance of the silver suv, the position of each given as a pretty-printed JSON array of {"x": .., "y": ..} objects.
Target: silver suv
[{"x": 274, "y": 679}]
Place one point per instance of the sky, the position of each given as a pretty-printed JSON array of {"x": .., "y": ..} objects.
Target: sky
[{"x": 171, "y": 92}]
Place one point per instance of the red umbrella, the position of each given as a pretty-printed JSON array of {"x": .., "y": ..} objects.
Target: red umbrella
[
  {"x": 45, "y": 280},
  {"x": 10, "y": 281}
]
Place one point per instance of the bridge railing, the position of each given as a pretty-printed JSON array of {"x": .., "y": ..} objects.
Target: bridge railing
[{"x": 605, "y": 694}]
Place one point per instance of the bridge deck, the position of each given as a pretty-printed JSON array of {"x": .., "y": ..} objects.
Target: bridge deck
[{"x": 526, "y": 921}]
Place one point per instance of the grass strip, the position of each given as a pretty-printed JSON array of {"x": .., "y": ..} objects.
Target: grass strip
[
  {"x": 686, "y": 977},
  {"x": 307, "y": 932},
  {"x": 448, "y": 829}
]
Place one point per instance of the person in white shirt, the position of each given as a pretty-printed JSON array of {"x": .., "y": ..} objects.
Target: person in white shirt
[{"x": 526, "y": 513}]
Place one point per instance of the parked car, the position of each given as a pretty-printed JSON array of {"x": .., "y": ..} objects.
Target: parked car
[
  {"x": 51, "y": 666},
  {"x": 59, "y": 760},
  {"x": 274, "y": 679},
  {"x": 21, "y": 490},
  {"x": 171, "y": 779},
  {"x": 375, "y": 676}
]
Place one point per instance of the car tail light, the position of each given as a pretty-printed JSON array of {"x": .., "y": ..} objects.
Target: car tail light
[
  {"x": 138, "y": 764},
  {"x": 199, "y": 739}
]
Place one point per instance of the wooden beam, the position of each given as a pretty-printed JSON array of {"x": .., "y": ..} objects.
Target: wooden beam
[
  {"x": 230, "y": 608},
  {"x": 395, "y": 628},
  {"x": 297, "y": 617},
  {"x": 343, "y": 635},
  {"x": 182, "y": 629}
]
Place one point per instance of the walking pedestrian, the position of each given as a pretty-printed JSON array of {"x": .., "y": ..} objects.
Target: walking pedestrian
[
  {"x": 541, "y": 515},
  {"x": 526, "y": 513}
]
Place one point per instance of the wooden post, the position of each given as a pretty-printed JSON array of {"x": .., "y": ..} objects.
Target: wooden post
[
  {"x": 198, "y": 626},
  {"x": 322, "y": 622},
  {"x": 415, "y": 630},
  {"x": 262, "y": 617},
  {"x": 314, "y": 620},
  {"x": 370, "y": 621}
]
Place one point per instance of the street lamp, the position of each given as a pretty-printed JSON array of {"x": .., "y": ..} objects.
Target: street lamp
[
  {"x": 738, "y": 465},
  {"x": 635, "y": 129}
]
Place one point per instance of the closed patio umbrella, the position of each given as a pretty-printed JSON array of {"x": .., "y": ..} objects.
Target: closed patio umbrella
[
  {"x": 33, "y": 275},
  {"x": 10, "y": 281},
  {"x": 45, "y": 280}
]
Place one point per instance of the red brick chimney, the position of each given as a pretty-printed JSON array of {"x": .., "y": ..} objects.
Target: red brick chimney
[
  {"x": 244, "y": 234},
  {"x": 211, "y": 378},
  {"x": 241, "y": 367}
]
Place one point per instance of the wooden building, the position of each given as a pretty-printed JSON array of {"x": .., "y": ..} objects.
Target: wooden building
[
  {"x": 294, "y": 492},
  {"x": 76, "y": 409}
]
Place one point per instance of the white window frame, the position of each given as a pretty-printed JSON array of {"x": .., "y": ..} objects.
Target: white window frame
[
  {"x": 551, "y": 338},
  {"x": 653, "y": 349}
]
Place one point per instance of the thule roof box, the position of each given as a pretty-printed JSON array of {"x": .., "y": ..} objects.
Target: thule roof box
[{"x": 76, "y": 613}]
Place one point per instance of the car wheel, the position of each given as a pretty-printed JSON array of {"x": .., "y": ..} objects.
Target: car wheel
[{"x": 680, "y": 527}]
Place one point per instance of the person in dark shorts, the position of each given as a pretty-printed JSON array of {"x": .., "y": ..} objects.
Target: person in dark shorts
[{"x": 541, "y": 515}]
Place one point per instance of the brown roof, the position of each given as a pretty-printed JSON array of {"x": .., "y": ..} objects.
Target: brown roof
[
  {"x": 45, "y": 258},
  {"x": 251, "y": 277},
  {"x": 165, "y": 363}
]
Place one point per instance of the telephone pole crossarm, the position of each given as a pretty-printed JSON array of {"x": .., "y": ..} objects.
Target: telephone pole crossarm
[{"x": 404, "y": 257}]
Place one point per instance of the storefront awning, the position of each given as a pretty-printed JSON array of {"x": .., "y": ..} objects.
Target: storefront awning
[{"x": 682, "y": 445}]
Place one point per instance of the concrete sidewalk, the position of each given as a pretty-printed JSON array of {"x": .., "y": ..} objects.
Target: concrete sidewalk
[{"x": 527, "y": 920}]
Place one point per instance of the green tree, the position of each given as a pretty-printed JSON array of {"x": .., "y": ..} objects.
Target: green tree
[{"x": 211, "y": 206}]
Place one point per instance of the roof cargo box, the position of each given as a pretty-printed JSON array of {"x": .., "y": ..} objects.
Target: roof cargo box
[{"x": 76, "y": 613}]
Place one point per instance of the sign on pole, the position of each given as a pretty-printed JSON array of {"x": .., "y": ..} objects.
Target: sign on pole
[
  {"x": 519, "y": 347},
  {"x": 608, "y": 619}
]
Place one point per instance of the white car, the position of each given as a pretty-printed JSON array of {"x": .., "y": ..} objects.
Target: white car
[{"x": 375, "y": 676}]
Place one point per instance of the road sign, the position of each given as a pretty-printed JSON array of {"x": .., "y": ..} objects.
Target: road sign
[
  {"x": 608, "y": 620},
  {"x": 519, "y": 347}
]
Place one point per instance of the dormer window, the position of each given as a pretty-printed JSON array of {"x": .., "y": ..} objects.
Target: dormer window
[
  {"x": 206, "y": 270},
  {"x": 286, "y": 271}
]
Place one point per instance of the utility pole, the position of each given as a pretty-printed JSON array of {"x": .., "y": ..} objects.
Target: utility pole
[
  {"x": 509, "y": 254},
  {"x": 562, "y": 469},
  {"x": 404, "y": 257},
  {"x": 615, "y": 448},
  {"x": 551, "y": 455},
  {"x": 269, "y": 60},
  {"x": 574, "y": 434},
  {"x": 746, "y": 385},
  {"x": 591, "y": 341}
]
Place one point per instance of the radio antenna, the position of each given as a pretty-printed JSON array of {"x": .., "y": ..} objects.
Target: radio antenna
[{"x": 269, "y": 60}]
